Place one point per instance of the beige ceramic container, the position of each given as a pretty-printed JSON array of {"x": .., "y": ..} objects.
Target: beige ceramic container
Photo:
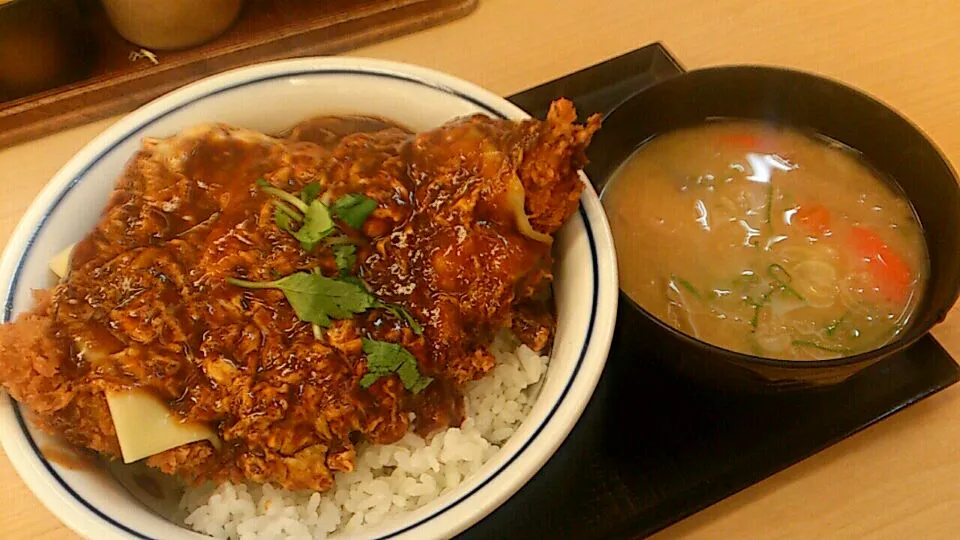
[{"x": 171, "y": 24}]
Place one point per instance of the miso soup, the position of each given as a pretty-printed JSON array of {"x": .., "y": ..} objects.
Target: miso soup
[{"x": 766, "y": 240}]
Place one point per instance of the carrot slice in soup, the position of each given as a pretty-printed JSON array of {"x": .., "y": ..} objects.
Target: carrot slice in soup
[
  {"x": 750, "y": 142},
  {"x": 741, "y": 140},
  {"x": 815, "y": 219},
  {"x": 891, "y": 272}
]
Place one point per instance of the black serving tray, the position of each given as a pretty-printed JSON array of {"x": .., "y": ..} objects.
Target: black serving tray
[{"x": 652, "y": 447}]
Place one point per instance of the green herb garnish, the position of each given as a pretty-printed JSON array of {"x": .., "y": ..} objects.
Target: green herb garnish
[
  {"x": 309, "y": 193},
  {"x": 314, "y": 217},
  {"x": 757, "y": 306},
  {"x": 780, "y": 279},
  {"x": 283, "y": 218},
  {"x": 316, "y": 226},
  {"x": 384, "y": 359},
  {"x": 779, "y": 273},
  {"x": 788, "y": 289},
  {"x": 358, "y": 282},
  {"x": 776, "y": 285},
  {"x": 403, "y": 315},
  {"x": 687, "y": 286},
  {"x": 345, "y": 256},
  {"x": 831, "y": 328},
  {"x": 354, "y": 209},
  {"x": 317, "y": 299}
]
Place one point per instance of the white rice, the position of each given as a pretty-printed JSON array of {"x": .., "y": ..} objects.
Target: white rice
[{"x": 389, "y": 480}]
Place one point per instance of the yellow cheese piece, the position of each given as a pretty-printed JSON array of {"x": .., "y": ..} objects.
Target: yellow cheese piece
[
  {"x": 145, "y": 426},
  {"x": 60, "y": 263}
]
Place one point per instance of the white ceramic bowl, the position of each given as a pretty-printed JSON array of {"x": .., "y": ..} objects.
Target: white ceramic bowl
[{"x": 272, "y": 97}]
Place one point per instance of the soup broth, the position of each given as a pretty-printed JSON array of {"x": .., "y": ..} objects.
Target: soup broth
[{"x": 766, "y": 240}]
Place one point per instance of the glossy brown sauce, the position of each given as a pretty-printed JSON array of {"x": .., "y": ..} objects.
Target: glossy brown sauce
[
  {"x": 225, "y": 207},
  {"x": 151, "y": 300}
]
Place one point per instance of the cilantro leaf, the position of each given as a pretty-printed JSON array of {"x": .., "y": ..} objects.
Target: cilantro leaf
[
  {"x": 316, "y": 299},
  {"x": 313, "y": 215},
  {"x": 411, "y": 378},
  {"x": 356, "y": 281},
  {"x": 345, "y": 256},
  {"x": 385, "y": 358},
  {"x": 309, "y": 193},
  {"x": 316, "y": 226},
  {"x": 283, "y": 220},
  {"x": 367, "y": 380},
  {"x": 354, "y": 209},
  {"x": 402, "y": 314}
]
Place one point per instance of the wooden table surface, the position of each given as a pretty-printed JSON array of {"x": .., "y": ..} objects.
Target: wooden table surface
[{"x": 898, "y": 479}]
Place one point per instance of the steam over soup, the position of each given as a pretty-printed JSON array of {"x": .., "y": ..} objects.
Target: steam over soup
[{"x": 767, "y": 241}]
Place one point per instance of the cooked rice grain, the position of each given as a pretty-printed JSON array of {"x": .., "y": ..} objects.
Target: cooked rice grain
[{"x": 389, "y": 479}]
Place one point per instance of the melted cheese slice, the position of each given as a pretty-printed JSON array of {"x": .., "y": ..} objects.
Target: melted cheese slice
[
  {"x": 145, "y": 426},
  {"x": 60, "y": 263}
]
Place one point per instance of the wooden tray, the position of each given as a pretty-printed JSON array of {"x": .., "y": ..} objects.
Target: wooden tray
[{"x": 265, "y": 30}]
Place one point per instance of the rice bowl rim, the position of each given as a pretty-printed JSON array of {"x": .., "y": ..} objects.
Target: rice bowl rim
[{"x": 93, "y": 522}]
